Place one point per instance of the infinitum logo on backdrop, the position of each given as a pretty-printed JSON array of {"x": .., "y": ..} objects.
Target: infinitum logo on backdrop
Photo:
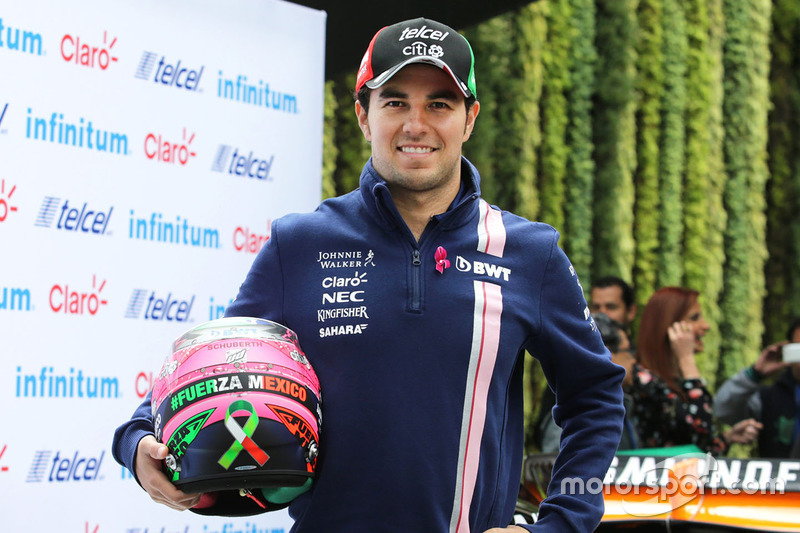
[
  {"x": 19, "y": 40},
  {"x": 169, "y": 73},
  {"x": 232, "y": 161},
  {"x": 73, "y": 217},
  {"x": 47, "y": 383},
  {"x": 162, "y": 308},
  {"x": 180, "y": 232},
  {"x": 15, "y": 299},
  {"x": 82, "y": 134},
  {"x": 85, "y": 53},
  {"x": 258, "y": 94}
]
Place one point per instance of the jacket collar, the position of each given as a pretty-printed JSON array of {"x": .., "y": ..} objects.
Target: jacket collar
[{"x": 379, "y": 203}]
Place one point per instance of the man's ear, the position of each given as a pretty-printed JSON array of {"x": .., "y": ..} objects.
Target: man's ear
[
  {"x": 631, "y": 313},
  {"x": 363, "y": 123},
  {"x": 472, "y": 115}
]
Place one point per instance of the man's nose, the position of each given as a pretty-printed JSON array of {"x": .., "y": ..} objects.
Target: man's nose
[{"x": 415, "y": 123}]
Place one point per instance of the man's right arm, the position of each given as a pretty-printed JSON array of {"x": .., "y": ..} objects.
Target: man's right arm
[
  {"x": 136, "y": 448},
  {"x": 738, "y": 398}
]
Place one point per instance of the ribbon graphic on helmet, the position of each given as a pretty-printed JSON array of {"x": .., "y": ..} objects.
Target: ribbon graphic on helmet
[{"x": 242, "y": 435}]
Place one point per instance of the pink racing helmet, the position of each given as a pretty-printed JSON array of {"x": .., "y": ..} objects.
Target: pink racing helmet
[{"x": 239, "y": 407}]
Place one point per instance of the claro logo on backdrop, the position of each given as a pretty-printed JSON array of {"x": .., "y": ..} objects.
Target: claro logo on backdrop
[
  {"x": 88, "y": 52},
  {"x": 78, "y": 299}
]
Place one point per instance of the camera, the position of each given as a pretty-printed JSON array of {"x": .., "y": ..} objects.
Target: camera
[{"x": 791, "y": 352}]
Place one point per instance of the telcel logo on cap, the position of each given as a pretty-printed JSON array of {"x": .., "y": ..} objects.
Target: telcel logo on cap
[{"x": 423, "y": 33}]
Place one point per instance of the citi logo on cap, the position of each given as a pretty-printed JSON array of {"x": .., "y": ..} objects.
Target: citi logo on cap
[
  {"x": 423, "y": 33},
  {"x": 421, "y": 49}
]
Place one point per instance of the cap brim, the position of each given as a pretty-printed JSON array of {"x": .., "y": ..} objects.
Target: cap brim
[{"x": 386, "y": 75}]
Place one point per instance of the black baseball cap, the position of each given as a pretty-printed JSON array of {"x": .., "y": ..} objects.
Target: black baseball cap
[{"x": 418, "y": 40}]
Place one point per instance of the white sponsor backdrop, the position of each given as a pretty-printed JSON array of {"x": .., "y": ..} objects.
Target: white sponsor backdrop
[{"x": 145, "y": 146}]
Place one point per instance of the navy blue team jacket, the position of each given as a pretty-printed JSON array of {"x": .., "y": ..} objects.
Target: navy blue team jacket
[{"x": 421, "y": 367}]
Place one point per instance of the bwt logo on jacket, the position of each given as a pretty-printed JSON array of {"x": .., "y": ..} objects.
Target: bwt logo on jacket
[
  {"x": 167, "y": 308},
  {"x": 78, "y": 51},
  {"x": 167, "y": 73},
  {"x": 71, "y": 301},
  {"x": 78, "y": 219},
  {"x": 20, "y": 40},
  {"x": 61, "y": 468},
  {"x": 229, "y": 160},
  {"x": 482, "y": 269},
  {"x": 160, "y": 149}
]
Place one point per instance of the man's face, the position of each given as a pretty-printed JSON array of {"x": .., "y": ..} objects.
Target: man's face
[
  {"x": 608, "y": 300},
  {"x": 416, "y": 123}
]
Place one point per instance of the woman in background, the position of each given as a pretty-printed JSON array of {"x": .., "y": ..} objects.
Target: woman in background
[{"x": 671, "y": 404}]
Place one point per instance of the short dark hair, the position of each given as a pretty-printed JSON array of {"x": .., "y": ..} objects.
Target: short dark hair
[
  {"x": 363, "y": 98},
  {"x": 628, "y": 296},
  {"x": 793, "y": 325}
]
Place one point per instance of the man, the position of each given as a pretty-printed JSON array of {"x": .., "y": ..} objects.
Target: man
[
  {"x": 421, "y": 375},
  {"x": 613, "y": 297},
  {"x": 775, "y": 408}
]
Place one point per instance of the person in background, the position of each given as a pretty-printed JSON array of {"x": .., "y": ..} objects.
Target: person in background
[
  {"x": 671, "y": 403},
  {"x": 421, "y": 375},
  {"x": 548, "y": 434},
  {"x": 776, "y": 406},
  {"x": 615, "y": 298}
]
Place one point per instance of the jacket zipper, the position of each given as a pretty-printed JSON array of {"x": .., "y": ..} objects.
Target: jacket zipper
[{"x": 416, "y": 262}]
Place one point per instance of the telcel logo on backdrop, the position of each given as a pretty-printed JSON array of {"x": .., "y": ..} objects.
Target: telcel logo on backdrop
[
  {"x": 72, "y": 301},
  {"x": 19, "y": 40},
  {"x": 63, "y": 468},
  {"x": 71, "y": 218},
  {"x": 168, "y": 73},
  {"x": 78, "y": 51},
  {"x": 229, "y": 160},
  {"x": 167, "y": 308}
]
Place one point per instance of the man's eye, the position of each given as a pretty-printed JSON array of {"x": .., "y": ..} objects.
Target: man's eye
[{"x": 439, "y": 105}]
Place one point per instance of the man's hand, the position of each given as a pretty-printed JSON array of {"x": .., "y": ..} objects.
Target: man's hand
[
  {"x": 149, "y": 455},
  {"x": 770, "y": 359},
  {"x": 744, "y": 431},
  {"x": 509, "y": 529}
]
